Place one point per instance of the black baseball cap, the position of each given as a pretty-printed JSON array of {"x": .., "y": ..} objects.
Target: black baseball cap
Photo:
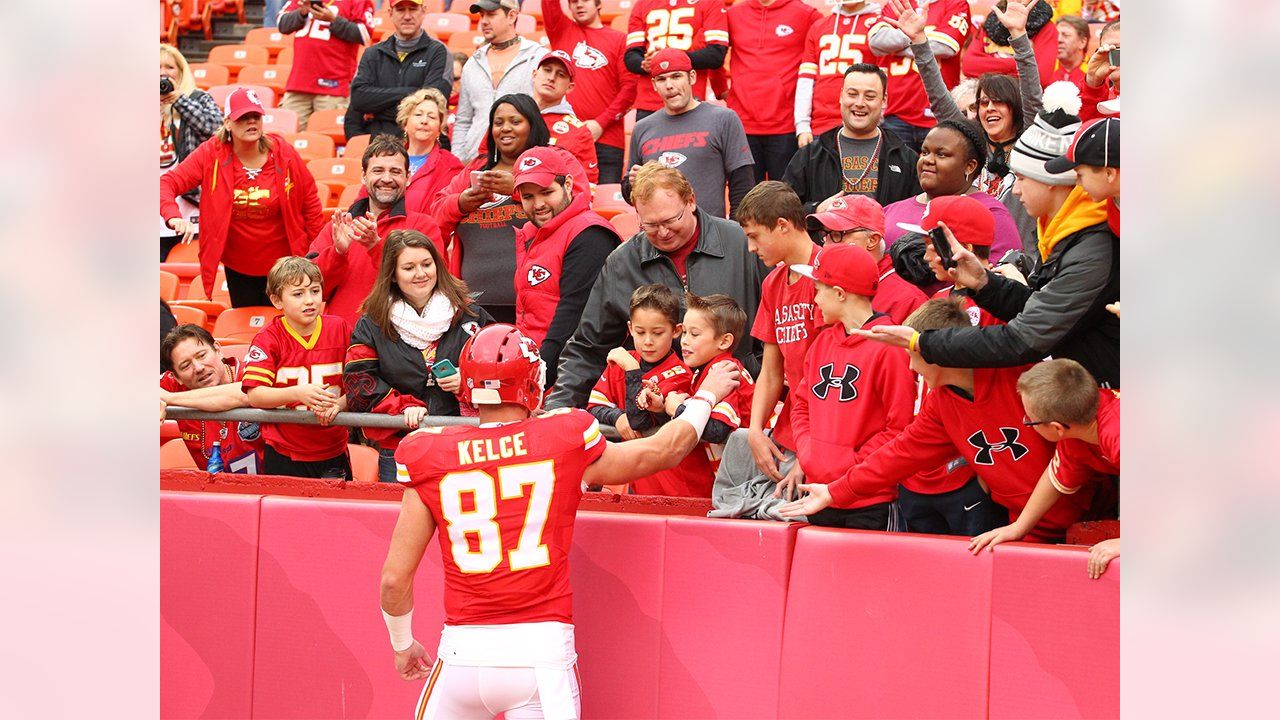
[{"x": 1097, "y": 143}]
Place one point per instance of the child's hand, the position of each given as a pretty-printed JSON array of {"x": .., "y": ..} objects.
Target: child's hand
[
  {"x": 314, "y": 396},
  {"x": 623, "y": 359},
  {"x": 786, "y": 489},
  {"x": 624, "y": 428},
  {"x": 673, "y": 402},
  {"x": 650, "y": 398},
  {"x": 1101, "y": 555},
  {"x": 326, "y": 414},
  {"x": 991, "y": 538}
]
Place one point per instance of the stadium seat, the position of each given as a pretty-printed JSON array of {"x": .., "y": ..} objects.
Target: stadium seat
[
  {"x": 211, "y": 309},
  {"x": 270, "y": 38},
  {"x": 220, "y": 292},
  {"x": 168, "y": 25},
  {"x": 189, "y": 17},
  {"x": 285, "y": 56},
  {"x": 280, "y": 120},
  {"x": 272, "y": 76},
  {"x": 444, "y": 25},
  {"x": 349, "y": 195},
  {"x": 328, "y": 122},
  {"x": 611, "y": 9},
  {"x": 208, "y": 75},
  {"x": 168, "y": 431},
  {"x": 311, "y": 145},
  {"x": 185, "y": 272},
  {"x": 380, "y": 26},
  {"x": 237, "y": 351},
  {"x": 222, "y": 7},
  {"x": 188, "y": 253},
  {"x": 609, "y": 196},
  {"x": 620, "y": 22},
  {"x": 265, "y": 94},
  {"x": 354, "y": 149},
  {"x": 627, "y": 224},
  {"x": 533, "y": 8},
  {"x": 466, "y": 42},
  {"x": 343, "y": 170},
  {"x": 187, "y": 314},
  {"x": 236, "y": 57},
  {"x": 364, "y": 463},
  {"x": 174, "y": 456},
  {"x": 168, "y": 286},
  {"x": 241, "y": 324}
]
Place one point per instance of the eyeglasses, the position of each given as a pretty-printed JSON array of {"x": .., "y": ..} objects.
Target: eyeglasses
[
  {"x": 838, "y": 236},
  {"x": 1032, "y": 423},
  {"x": 650, "y": 228}
]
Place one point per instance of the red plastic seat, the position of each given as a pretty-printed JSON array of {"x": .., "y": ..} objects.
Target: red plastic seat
[
  {"x": 207, "y": 75},
  {"x": 270, "y": 38},
  {"x": 175, "y": 456},
  {"x": 328, "y": 122},
  {"x": 168, "y": 286},
  {"x": 444, "y": 25},
  {"x": 355, "y": 147},
  {"x": 243, "y": 323},
  {"x": 280, "y": 120},
  {"x": 236, "y": 57},
  {"x": 272, "y": 76},
  {"x": 311, "y": 145},
  {"x": 186, "y": 314},
  {"x": 343, "y": 170}
]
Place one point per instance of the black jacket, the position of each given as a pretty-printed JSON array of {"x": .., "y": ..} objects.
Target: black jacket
[
  {"x": 814, "y": 171},
  {"x": 719, "y": 263},
  {"x": 1063, "y": 313},
  {"x": 382, "y": 80}
]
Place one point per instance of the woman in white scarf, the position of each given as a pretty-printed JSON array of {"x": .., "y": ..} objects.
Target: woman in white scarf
[{"x": 417, "y": 316}]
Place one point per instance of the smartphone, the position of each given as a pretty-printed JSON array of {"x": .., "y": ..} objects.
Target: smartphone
[
  {"x": 443, "y": 369},
  {"x": 1113, "y": 57},
  {"x": 942, "y": 246},
  {"x": 475, "y": 179}
]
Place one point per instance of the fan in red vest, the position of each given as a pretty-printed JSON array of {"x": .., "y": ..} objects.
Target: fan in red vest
[{"x": 559, "y": 252}]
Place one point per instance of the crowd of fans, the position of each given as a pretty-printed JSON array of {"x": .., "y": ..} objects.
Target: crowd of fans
[{"x": 902, "y": 223}]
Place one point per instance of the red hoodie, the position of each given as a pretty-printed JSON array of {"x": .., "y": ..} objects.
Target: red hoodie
[
  {"x": 767, "y": 45},
  {"x": 209, "y": 167}
]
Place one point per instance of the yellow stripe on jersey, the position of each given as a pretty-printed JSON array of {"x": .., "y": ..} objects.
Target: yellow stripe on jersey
[
  {"x": 728, "y": 411},
  {"x": 808, "y": 68},
  {"x": 251, "y": 374},
  {"x": 598, "y": 398},
  {"x": 591, "y": 435},
  {"x": 310, "y": 342},
  {"x": 935, "y": 36},
  {"x": 402, "y": 473},
  {"x": 259, "y": 369},
  {"x": 635, "y": 37},
  {"x": 716, "y": 36},
  {"x": 1053, "y": 477}
]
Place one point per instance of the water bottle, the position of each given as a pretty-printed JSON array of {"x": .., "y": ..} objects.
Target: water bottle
[{"x": 215, "y": 458}]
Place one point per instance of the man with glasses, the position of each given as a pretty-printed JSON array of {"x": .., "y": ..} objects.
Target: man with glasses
[{"x": 679, "y": 245}]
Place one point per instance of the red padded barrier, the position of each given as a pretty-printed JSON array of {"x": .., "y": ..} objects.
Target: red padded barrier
[
  {"x": 617, "y": 611},
  {"x": 208, "y": 561},
  {"x": 1055, "y": 635},
  {"x": 885, "y": 625},
  {"x": 723, "y": 595},
  {"x": 322, "y": 648}
]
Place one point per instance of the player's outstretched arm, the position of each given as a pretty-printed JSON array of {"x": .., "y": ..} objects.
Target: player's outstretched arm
[
  {"x": 624, "y": 462},
  {"x": 413, "y": 531}
]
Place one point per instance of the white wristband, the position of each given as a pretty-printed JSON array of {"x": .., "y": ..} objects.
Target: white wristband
[
  {"x": 707, "y": 395},
  {"x": 400, "y": 629},
  {"x": 697, "y": 411}
]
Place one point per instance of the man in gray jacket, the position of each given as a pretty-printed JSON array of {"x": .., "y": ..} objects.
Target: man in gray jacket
[
  {"x": 504, "y": 64},
  {"x": 680, "y": 246}
]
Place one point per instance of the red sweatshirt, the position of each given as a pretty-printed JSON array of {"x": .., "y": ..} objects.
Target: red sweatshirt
[
  {"x": 603, "y": 89},
  {"x": 895, "y": 297},
  {"x": 767, "y": 45},
  {"x": 857, "y": 395}
]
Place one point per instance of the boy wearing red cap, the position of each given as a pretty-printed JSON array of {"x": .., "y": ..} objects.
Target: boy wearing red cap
[
  {"x": 859, "y": 220},
  {"x": 553, "y": 79},
  {"x": 855, "y": 396},
  {"x": 974, "y": 228}
]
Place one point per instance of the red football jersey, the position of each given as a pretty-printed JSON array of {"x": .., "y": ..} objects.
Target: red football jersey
[
  {"x": 241, "y": 442},
  {"x": 681, "y": 24},
  {"x": 734, "y": 411},
  {"x": 948, "y": 24},
  {"x": 790, "y": 319},
  {"x": 280, "y": 357},
  {"x": 323, "y": 64},
  {"x": 1076, "y": 462},
  {"x": 504, "y": 498},
  {"x": 833, "y": 44},
  {"x": 569, "y": 133}
]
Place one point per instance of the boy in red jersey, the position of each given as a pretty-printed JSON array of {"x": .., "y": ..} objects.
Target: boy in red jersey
[
  {"x": 831, "y": 45},
  {"x": 296, "y": 362},
  {"x": 855, "y": 396},
  {"x": 698, "y": 27},
  {"x": 1065, "y": 405},
  {"x": 198, "y": 376},
  {"x": 327, "y": 37},
  {"x": 507, "y": 644}
]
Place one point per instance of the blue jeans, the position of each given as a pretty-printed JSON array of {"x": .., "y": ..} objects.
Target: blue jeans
[
  {"x": 912, "y": 135},
  {"x": 386, "y": 465},
  {"x": 270, "y": 11}
]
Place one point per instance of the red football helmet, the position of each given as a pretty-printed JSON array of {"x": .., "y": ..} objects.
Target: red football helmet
[{"x": 500, "y": 365}]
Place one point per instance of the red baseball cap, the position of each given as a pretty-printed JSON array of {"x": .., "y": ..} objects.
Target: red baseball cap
[
  {"x": 669, "y": 60},
  {"x": 969, "y": 220},
  {"x": 242, "y": 101},
  {"x": 848, "y": 267},
  {"x": 849, "y": 212},
  {"x": 542, "y": 165},
  {"x": 561, "y": 57}
]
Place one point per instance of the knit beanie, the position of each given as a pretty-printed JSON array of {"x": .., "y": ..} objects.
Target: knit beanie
[{"x": 1049, "y": 136}]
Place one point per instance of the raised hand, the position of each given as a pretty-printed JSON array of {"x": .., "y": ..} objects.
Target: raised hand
[
  {"x": 969, "y": 272},
  {"x": 910, "y": 22},
  {"x": 1014, "y": 16}
]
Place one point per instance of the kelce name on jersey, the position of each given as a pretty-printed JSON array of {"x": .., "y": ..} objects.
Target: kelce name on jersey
[{"x": 471, "y": 452}]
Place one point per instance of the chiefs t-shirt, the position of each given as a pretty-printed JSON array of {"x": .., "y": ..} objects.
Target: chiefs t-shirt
[
  {"x": 681, "y": 24},
  {"x": 504, "y": 498},
  {"x": 1076, "y": 462},
  {"x": 832, "y": 44},
  {"x": 255, "y": 236},
  {"x": 790, "y": 319},
  {"x": 240, "y": 442},
  {"x": 280, "y": 357},
  {"x": 323, "y": 64},
  {"x": 948, "y": 24}
]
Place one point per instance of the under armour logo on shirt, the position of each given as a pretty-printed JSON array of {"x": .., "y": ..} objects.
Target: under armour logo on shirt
[
  {"x": 986, "y": 449},
  {"x": 844, "y": 382}
]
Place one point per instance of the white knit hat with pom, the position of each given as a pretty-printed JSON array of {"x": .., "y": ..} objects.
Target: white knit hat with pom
[{"x": 1049, "y": 136}]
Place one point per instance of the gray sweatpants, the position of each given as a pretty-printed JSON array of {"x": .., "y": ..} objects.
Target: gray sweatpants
[{"x": 741, "y": 490}]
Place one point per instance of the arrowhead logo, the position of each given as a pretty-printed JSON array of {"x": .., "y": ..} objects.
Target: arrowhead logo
[
  {"x": 537, "y": 275},
  {"x": 561, "y": 127},
  {"x": 783, "y": 30},
  {"x": 839, "y": 204},
  {"x": 665, "y": 64},
  {"x": 528, "y": 164}
]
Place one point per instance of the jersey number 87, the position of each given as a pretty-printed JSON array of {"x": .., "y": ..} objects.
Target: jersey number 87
[{"x": 530, "y": 551}]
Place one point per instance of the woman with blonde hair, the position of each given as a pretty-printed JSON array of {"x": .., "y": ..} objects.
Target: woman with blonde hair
[
  {"x": 422, "y": 116},
  {"x": 417, "y": 316},
  {"x": 188, "y": 117}
]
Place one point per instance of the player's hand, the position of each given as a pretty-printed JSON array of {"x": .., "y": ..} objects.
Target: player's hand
[
  {"x": 313, "y": 396},
  {"x": 411, "y": 662},
  {"x": 765, "y": 453},
  {"x": 1101, "y": 555},
  {"x": 786, "y": 489},
  {"x": 910, "y": 22},
  {"x": 722, "y": 379},
  {"x": 451, "y": 384},
  {"x": 1099, "y": 66},
  {"x": 624, "y": 428},
  {"x": 498, "y": 182},
  {"x": 991, "y": 538},
  {"x": 818, "y": 499},
  {"x": 969, "y": 272},
  {"x": 895, "y": 335},
  {"x": 1014, "y": 16},
  {"x": 413, "y": 416},
  {"x": 594, "y": 127},
  {"x": 631, "y": 174},
  {"x": 673, "y": 402},
  {"x": 1114, "y": 308},
  {"x": 803, "y": 139},
  {"x": 1008, "y": 270},
  {"x": 181, "y": 227},
  {"x": 623, "y": 359}
]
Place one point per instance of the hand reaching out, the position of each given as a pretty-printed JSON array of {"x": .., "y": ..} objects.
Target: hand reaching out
[
  {"x": 909, "y": 21},
  {"x": 969, "y": 272},
  {"x": 413, "y": 416},
  {"x": 818, "y": 499},
  {"x": 624, "y": 428},
  {"x": 787, "y": 487},
  {"x": 1101, "y": 555}
]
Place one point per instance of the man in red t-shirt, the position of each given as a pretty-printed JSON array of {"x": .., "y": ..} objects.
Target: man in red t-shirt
[
  {"x": 504, "y": 497},
  {"x": 832, "y": 44},
  {"x": 759, "y": 471},
  {"x": 698, "y": 27},
  {"x": 603, "y": 90},
  {"x": 327, "y": 35}
]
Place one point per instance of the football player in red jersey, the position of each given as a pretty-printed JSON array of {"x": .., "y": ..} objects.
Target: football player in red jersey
[{"x": 504, "y": 496}]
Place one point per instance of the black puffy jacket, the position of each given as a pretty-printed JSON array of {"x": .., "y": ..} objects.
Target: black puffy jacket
[{"x": 382, "y": 80}]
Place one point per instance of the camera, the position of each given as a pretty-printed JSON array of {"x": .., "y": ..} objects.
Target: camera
[{"x": 166, "y": 85}]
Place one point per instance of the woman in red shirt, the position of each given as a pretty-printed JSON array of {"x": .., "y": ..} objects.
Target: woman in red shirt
[
  {"x": 258, "y": 201},
  {"x": 422, "y": 116}
]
